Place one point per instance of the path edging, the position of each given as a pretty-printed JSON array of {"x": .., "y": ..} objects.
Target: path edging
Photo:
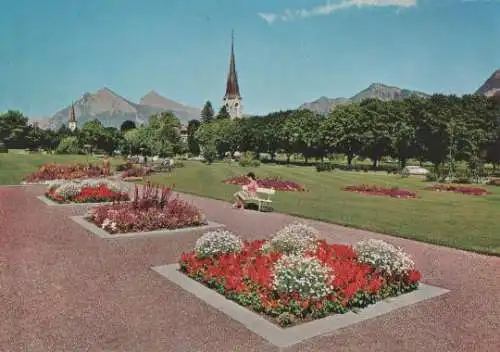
[
  {"x": 50, "y": 202},
  {"x": 286, "y": 337},
  {"x": 94, "y": 229}
]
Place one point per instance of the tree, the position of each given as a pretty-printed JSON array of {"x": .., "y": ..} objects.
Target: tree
[
  {"x": 223, "y": 113},
  {"x": 13, "y": 129},
  {"x": 127, "y": 125},
  {"x": 193, "y": 146},
  {"x": 69, "y": 145},
  {"x": 162, "y": 135},
  {"x": 206, "y": 136},
  {"x": 343, "y": 131},
  {"x": 207, "y": 113}
]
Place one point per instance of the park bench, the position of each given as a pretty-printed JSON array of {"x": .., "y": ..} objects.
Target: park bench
[{"x": 262, "y": 198}]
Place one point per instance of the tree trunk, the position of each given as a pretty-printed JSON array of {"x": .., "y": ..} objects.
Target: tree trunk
[
  {"x": 288, "y": 158},
  {"x": 374, "y": 164},
  {"x": 349, "y": 160}
]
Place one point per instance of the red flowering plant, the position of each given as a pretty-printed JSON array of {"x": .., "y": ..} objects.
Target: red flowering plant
[
  {"x": 137, "y": 172},
  {"x": 50, "y": 172},
  {"x": 393, "y": 192},
  {"x": 152, "y": 208},
  {"x": 88, "y": 191},
  {"x": 275, "y": 183},
  {"x": 472, "y": 191},
  {"x": 302, "y": 280}
]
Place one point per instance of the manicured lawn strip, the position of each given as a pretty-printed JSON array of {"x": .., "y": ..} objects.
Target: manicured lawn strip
[
  {"x": 453, "y": 220},
  {"x": 14, "y": 166}
]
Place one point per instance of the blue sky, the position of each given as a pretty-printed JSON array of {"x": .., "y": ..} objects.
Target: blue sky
[{"x": 287, "y": 51}]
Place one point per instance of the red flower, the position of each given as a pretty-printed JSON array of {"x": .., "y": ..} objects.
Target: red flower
[
  {"x": 381, "y": 191},
  {"x": 414, "y": 276},
  {"x": 272, "y": 183}
]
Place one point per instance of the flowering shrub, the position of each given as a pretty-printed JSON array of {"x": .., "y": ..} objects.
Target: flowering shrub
[
  {"x": 304, "y": 275},
  {"x": 49, "y": 172},
  {"x": 393, "y": 192},
  {"x": 385, "y": 256},
  {"x": 217, "y": 242},
  {"x": 295, "y": 238},
  {"x": 272, "y": 183},
  {"x": 472, "y": 191},
  {"x": 154, "y": 209},
  {"x": 137, "y": 172},
  {"x": 88, "y": 191},
  {"x": 293, "y": 288}
]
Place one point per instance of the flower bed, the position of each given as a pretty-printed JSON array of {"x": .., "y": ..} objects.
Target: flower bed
[
  {"x": 472, "y": 191},
  {"x": 273, "y": 183},
  {"x": 393, "y": 192},
  {"x": 137, "y": 172},
  {"x": 494, "y": 182},
  {"x": 296, "y": 277},
  {"x": 154, "y": 209},
  {"x": 50, "y": 172},
  {"x": 88, "y": 191}
]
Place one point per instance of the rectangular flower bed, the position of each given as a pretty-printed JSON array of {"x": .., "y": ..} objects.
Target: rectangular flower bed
[
  {"x": 472, "y": 191},
  {"x": 271, "y": 183},
  {"x": 152, "y": 209},
  {"x": 88, "y": 191},
  {"x": 393, "y": 192},
  {"x": 296, "y": 286},
  {"x": 48, "y": 173}
]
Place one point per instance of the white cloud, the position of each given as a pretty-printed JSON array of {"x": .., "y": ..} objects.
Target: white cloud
[{"x": 329, "y": 8}]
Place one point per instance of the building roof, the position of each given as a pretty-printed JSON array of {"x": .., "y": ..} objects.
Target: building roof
[{"x": 232, "y": 87}]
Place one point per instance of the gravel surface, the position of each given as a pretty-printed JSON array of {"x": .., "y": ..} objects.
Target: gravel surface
[{"x": 63, "y": 289}]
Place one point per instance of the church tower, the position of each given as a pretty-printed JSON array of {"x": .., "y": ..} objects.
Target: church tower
[
  {"x": 72, "y": 118},
  {"x": 232, "y": 99}
]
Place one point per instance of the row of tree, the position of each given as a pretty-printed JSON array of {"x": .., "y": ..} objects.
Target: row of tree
[{"x": 440, "y": 129}]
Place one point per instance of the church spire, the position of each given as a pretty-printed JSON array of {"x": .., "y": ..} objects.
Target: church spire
[
  {"x": 72, "y": 118},
  {"x": 232, "y": 87}
]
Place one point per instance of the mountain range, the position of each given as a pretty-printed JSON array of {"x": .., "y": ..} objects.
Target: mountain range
[
  {"x": 384, "y": 92},
  {"x": 112, "y": 109}
]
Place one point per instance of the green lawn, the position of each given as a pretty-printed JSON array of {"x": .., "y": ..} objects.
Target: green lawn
[
  {"x": 14, "y": 166},
  {"x": 454, "y": 220}
]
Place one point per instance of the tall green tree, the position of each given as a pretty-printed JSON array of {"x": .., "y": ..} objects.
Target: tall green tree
[
  {"x": 207, "y": 113},
  {"x": 193, "y": 146},
  {"x": 13, "y": 129},
  {"x": 223, "y": 114}
]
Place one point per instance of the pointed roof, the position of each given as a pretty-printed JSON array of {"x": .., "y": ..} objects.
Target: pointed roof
[
  {"x": 232, "y": 87},
  {"x": 72, "y": 115}
]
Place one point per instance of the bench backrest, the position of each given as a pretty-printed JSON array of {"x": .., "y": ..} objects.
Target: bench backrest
[{"x": 266, "y": 191}]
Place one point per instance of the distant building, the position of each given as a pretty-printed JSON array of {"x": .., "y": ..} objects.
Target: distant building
[
  {"x": 72, "y": 118},
  {"x": 232, "y": 98}
]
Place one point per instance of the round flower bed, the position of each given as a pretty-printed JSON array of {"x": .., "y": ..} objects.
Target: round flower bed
[
  {"x": 273, "y": 183},
  {"x": 290, "y": 288},
  {"x": 50, "y": 172},
  {"x": 393, "y": 192},
  {"x": 472, "y": 191},
  {"x": 88, "y": 191},
  {"x": 152, "y": 209}
]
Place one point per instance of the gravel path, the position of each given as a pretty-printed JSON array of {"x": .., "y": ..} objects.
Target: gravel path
[{"x": 63, "y": 289}]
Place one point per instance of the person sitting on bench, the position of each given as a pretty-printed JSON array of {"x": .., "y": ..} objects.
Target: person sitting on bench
[{"x": 249, "y": 191}]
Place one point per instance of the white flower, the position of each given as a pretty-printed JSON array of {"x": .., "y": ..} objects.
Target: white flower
[
  {"x": 304, "y": 275},
  {"x": 295, "y": 238},
  {"x": 217, "y": 242},
  {"x": 385, "y": 256}
]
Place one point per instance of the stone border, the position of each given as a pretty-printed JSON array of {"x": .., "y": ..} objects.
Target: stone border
[
  {"x": 50, "y": 202},
  {"x": 80, "y": 220},
  {"x": 286, "y": 337}
]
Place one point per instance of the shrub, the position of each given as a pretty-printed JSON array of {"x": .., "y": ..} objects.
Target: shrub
[
  {"x": 295, "y": 238},
  {"x": 304, "y": 275},
  {"x": 385, "y": 256},
  {"x": 217, "y": 242}
]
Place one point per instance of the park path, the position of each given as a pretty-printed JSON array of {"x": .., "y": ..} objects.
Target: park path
[{"x": 63, "y": 289}]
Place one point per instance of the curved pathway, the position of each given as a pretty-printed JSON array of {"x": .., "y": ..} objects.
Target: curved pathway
[{"x": 63, "y": 289}]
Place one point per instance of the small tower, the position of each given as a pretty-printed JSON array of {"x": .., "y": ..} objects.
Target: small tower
[
  {"x": 232, "y": 99},
  {"x": 72, "y": 118}
]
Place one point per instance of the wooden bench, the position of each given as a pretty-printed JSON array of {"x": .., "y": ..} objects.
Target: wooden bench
[{"x": 262, "y": 198}]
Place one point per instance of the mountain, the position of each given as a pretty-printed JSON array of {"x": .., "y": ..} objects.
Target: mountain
[
  {"x": 112, "y": 109},
  {"x": 492, "y": 85},
  {"x": 375, "y": 90}
]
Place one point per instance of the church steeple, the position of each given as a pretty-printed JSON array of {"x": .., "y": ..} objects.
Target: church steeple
[
  {"x": 72, "y": 118},
  {"x": 232, "y": 98}
]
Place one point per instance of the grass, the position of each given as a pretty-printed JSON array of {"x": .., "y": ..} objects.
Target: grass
[
  {"x": 453, "y": 220},
  {"x": 14, "y": 166},
  {"x": 448, "y": 219}
]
